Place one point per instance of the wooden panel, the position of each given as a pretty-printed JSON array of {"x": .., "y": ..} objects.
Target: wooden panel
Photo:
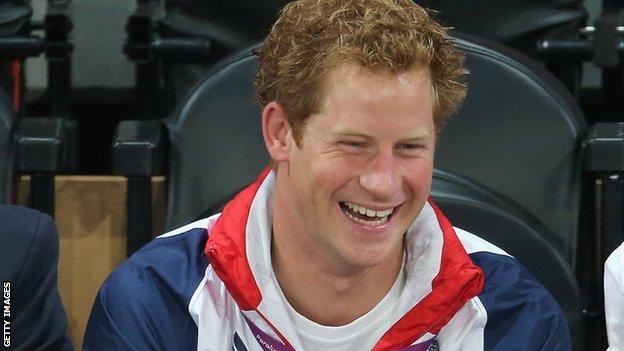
[{"x": 91, "y": 220}]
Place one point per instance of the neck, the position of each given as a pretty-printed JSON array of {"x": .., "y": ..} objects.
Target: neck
[
  {"x": 327, "y": 298},
  {"x": 322, "y": 288}
]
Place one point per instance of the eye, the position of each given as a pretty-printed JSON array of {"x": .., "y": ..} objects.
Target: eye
[
  {"x": 409, "y": 146},
  {"x": 352, "y": 143},
  {"x": 410, "y": 149},
  {"x": 353, "y": 146}
]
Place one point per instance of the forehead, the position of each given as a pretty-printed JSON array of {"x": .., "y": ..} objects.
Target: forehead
[
  {"x": 375, "y": 103},
  {"x": 352, "y": 80}
]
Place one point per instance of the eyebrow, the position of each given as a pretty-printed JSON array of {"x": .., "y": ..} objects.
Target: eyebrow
[{"x": 423, "y": 135}]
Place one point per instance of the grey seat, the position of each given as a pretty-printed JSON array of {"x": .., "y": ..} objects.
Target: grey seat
[
  {"x": 478, "y": 209},
  {"x": 519, "y": 132},
  {"x": 515, "y": 23},
  {"x": 234, "y": 25}
]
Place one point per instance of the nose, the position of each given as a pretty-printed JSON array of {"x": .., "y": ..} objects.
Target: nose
[{"x": 381, "y": 178}]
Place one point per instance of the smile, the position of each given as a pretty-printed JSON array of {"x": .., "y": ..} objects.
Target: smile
[{"x": 366, "y": 216}]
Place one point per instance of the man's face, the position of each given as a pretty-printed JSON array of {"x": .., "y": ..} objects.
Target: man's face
[{"x": 362, "y": 170}]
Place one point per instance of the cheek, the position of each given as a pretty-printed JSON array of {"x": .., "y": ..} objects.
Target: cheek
[{"x": 418, "y": 179}]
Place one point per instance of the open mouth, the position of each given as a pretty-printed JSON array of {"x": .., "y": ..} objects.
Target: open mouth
[{"x": 366, "y": 216}]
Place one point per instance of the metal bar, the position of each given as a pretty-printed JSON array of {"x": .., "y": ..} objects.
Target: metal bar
[
  {"x": 42, "y": 192},
  {"x": 139, "y": 210},
  {"x": 59, "y": 87},
  {"x": 148, "y": 98}
]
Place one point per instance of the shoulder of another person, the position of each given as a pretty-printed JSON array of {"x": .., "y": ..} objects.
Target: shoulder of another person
[
  {"x": 614, "y": 266},
  {"x": 28, "y": 239}
]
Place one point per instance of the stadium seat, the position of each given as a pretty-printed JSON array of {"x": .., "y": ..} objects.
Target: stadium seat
[
  {"x": 34, "y": 146},
  {"x": 180, "y": 40},
  {"x": 520, "y": 132},
  {"x": 40, "y": 144},
  {"x": 478, "y": 209},
  {"x": 519, "y": 24},
  {"x": 14, "y": 21}
]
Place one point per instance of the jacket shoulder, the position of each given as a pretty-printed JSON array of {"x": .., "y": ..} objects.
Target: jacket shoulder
[
  {"x": 143, "y": 304},
  {"x": 521, "y": 313}
]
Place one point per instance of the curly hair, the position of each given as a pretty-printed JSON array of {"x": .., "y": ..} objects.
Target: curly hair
[{"x": 311, "y": 37}]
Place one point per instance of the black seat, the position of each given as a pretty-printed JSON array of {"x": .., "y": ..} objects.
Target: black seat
[
  {"x": 176, "y": 41},
  {"x": 520, "y": 132},
  {"x": 230, "y": 26},
  {"x": 14, "y": 21},
  {"x": 477, "y": 209},
  {"x": 228, "y": 93},
  {"x": 516, "y": 23}
]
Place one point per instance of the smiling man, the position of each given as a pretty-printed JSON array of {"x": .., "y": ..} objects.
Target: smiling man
[{"x": 335, "y": 246}]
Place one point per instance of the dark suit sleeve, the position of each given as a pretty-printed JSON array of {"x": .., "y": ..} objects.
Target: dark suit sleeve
[{"x": 39, "y": 321}]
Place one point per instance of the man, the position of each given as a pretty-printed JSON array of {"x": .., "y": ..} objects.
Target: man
[
  {"x": 614, "y": 299},
  {"x": 33, "y": 314},
  {"x": 335, "y": 247}
]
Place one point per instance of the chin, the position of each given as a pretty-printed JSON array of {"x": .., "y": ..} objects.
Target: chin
[{"x": 369, "y": 257}]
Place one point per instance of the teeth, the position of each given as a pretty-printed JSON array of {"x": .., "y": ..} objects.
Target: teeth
[
  {"x": 368, "y": 223},
  {"x": 385, "y": 213},
  {"x": 381, "y": 216}
]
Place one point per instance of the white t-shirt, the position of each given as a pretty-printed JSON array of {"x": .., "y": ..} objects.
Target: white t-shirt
[
  {"x": 361, "y": 334},
  {"x": 614, "y": 299}
]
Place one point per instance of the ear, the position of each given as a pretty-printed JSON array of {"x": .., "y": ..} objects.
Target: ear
[{"x": 276, "y": 131}]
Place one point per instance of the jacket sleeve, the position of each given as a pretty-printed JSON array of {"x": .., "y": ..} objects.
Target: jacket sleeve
[
  {"x": 39, "y": 319},
  {"x": 521, "y": 313},
  {"x": 109, "y": 327},
  {"x": 137, "y": 309}
]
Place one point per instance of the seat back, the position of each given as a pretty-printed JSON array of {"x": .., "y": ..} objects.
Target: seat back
[
  {"x": 14, "y": 16},
  {"x": 516, "y": 23},
  {"x": 494, "y": 217},
  {"x": 234, "y": 25},
  {"x": 216, "y": 140},
  {"x": 6, "y": 148},
  {"x": 520, "y": 132}
]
